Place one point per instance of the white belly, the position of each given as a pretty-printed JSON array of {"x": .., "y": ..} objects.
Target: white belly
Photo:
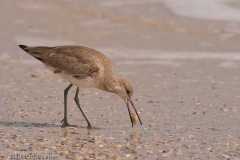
[{"x": 81, "y": 83}]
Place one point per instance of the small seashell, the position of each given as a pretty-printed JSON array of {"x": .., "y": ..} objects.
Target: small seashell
[
  {"x": 14, "y": 98},
  {"x": 40, "y": 139},
  {"x": 134, "y": 118}
]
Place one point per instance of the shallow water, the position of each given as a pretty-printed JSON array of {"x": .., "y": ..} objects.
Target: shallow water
[
  {"x": 165, "y": 55},
  {"x": 204, "y": 9}
]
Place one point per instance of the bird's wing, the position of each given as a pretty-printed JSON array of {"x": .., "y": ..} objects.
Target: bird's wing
[
  {"x": 70, "y": 65},
  {"x": 71, "y": 60}
]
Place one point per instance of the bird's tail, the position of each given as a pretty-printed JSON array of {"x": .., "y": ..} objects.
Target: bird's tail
[
  {"x": 39, "y": 52},
  {"x": 24, "y": 47}
]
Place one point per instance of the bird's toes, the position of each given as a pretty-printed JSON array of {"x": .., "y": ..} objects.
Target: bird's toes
[
  {"x": 89, "y": 127},
  {"x": 66, "y": 124}
]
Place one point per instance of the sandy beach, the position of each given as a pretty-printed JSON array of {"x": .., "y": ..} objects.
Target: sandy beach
[{"x": 184, "y": 66}]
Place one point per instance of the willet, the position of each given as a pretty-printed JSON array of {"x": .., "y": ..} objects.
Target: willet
[{"x": 85, "y": 68}]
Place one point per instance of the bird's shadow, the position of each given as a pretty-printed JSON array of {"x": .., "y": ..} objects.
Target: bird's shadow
[
  {"x": 27, "y": 124},
  {"x": 40, "y": 125}
]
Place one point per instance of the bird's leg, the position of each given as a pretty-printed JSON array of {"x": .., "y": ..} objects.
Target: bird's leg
[
  {"x": 79, "y": 106},
  {"x": 129, "y": 112},
  {"x": 64, "y": 121}
]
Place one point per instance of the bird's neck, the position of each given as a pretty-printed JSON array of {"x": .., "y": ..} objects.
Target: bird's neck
[{"x": 109, "y": 84}]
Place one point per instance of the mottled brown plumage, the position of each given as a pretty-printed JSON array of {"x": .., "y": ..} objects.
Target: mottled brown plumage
[{"x": 85, "y": 68}]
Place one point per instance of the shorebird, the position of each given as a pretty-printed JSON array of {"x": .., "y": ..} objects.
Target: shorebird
[{"x": 85, "y": 68}]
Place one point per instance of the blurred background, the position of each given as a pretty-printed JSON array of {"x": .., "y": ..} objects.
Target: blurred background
[{"x": 128, "y": 26}]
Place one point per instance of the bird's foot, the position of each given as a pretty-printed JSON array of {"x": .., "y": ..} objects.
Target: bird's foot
[
  {"x": 89, "y": 126},
  {"x": 66, "y": 124}
]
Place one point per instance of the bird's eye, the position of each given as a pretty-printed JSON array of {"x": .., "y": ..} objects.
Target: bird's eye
[{"x": 128, "y": 92}]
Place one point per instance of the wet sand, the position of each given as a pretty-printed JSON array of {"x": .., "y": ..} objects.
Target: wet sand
[{"x": 185, "y": 74}]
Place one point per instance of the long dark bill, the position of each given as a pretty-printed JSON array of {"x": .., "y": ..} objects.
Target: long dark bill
[
  {"x": 127, "y": 103},
  {"x": 135, "y": 110}
]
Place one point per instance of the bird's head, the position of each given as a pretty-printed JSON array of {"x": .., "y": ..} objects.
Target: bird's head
[{"x": 124, "y": 89}]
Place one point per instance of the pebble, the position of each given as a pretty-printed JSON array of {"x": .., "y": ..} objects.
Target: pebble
[
  {"x": 191, "y": 136},
  {"x": 226, "y": 156},
  {"x": 66, "y": 152},
  {"x": 151, "y": 125},
  {"x": 5, "y": 141},
  {"x": 128, "y": 155},
  {"x": 225, "y": 110},
  {"x": 177, "y": 127}
]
